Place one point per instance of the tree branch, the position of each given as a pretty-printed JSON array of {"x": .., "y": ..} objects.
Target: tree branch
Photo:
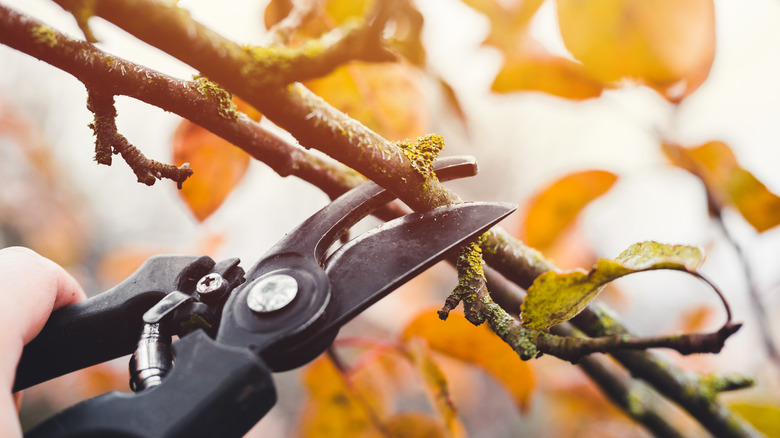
[
  {"x": 115, "y": 76},
  {"x": 108, "y": 141},
  {"x": 316, "y": 124}
]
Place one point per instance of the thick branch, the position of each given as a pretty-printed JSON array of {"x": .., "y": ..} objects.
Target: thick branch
[
  {"x": 312, "y": 121},
  {"x": 115, "y": 76}
]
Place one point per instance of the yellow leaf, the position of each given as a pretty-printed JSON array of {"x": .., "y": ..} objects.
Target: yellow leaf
[
  {"x": 459, "y": 339},
  {"x": 557, "y": 206},
  {"x": 334, "y": 408},
  {"x": 556, "y": 297},
  {"x": 668, "y": 45},
  {"x": 764, "y": 417},
  {"x": 508, "y": 21},
  {"x": 728, "y": 183},
  {"x": 549, "y": 74},
  {"x": 436, "y": 386},
  {"x": 218, "y": 167},
  {"x": 409, "y": 425},
  {"x": 527, "y": 65},
  {"x": 387, "y": 98}
]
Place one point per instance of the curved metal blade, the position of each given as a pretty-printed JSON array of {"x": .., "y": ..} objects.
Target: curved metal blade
[
  {"x": 316, "y": 234},
  {"x": 371, "y": 266}
]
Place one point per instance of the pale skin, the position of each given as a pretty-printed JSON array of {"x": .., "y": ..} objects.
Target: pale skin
[{"x": 31, "y": 288}]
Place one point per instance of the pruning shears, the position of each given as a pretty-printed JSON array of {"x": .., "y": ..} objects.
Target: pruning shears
[{"x": 235, "y": 328}]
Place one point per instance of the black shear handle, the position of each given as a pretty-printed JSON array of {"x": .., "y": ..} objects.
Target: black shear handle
[
  {"x": 105, "y": 326},
  {"x": 213, "y": 391}
]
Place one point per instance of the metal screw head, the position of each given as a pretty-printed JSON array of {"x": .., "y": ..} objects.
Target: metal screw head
[
  {"x": 211, "y": 286},
  {"x": 272, "y": 293}
]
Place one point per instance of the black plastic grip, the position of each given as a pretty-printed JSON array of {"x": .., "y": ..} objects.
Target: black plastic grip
[
  {"x": 105, "y": 326},
  {"x": 213, "y": 391}
]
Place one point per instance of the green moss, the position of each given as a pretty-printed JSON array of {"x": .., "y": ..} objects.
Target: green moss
[
  {"x": 423, "y": 152},
  {"x": 525, "y": 347},
  {"x": 45, "y": 35},
  {"x": 279, "y": 64},
  {"x": 634, "y": 403},
  {"x": 219, "y": 95}
]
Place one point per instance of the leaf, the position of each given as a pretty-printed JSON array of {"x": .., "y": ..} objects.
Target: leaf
[
  {"x": 387, "y": 98},
  {"x": 436, "y": 386},
  {"x": 765, "y": 418},
  {"x": 218, "y": 167},
  {"x": 276, "y": 11},
  {"x": 668, "y": 45},
  {"x": 697, "y": 318},
  {"x": 549, "y": 74},
  {"x": 459, "y": 339},
  {"x": 508, "y": 21},
  {"x": 527, "y": 65},
  {"x": 333, "y": 407},
  {"x": 556, "y": 297},
  {"x": 409, "y": 425},
  {"x": 247, "y": 109},
  {"x": 557, "y": 206},
  {"x": 728, "y": 183}
]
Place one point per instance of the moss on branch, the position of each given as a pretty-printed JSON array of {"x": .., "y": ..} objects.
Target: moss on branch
[{"x": 108, "y": 142}]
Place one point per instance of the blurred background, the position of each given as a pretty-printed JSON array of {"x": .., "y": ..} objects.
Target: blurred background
[{"x": 100, "y": 224}]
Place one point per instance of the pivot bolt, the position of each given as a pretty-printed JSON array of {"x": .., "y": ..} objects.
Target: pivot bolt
[
  {"x": 211, "y": 287},
  {"x": 272, "y": 293}
]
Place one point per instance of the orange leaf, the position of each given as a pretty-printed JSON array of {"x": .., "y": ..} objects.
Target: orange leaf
[
  {"x": 409, "y": 425},
  {"x": 336, "y": 406},
  {"x": 387, "y": 98},
  {"x": 247, "y": 109},
  {"x": 218, "y": 167},
  {"x": 508, "y": 21},
  {"x": 549, "y": 74},
  {"x": 436, "y": 386},
  {"x": 728, "y": 183},
  {"x": 668, "y": 45},
  {"x": 697, "y": 318},
  {"x": 478, "y": 346},
  {"x": 558, "y": 205},
  {"x": 527, "y": 65}
]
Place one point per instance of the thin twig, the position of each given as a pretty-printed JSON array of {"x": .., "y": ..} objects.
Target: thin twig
[{"x": 755, "y": 297}]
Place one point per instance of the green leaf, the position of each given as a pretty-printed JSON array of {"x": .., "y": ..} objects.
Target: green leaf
[{"x": 556, "y": 297}]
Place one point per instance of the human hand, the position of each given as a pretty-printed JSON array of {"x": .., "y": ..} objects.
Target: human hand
[{"x": 31, "y": 288}]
